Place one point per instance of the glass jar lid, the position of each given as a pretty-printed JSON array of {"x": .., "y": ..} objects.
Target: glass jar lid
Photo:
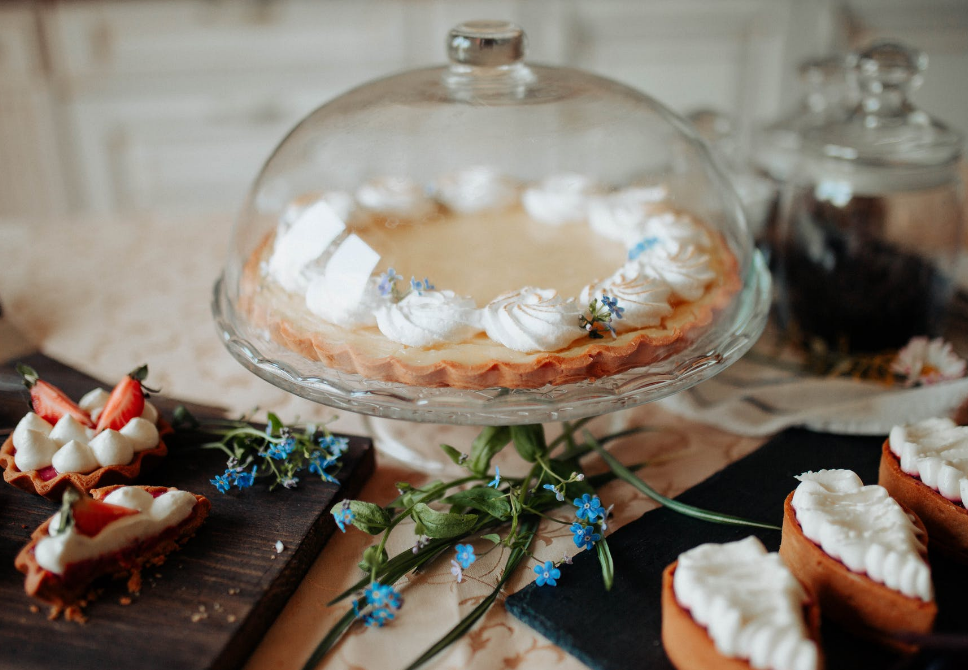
[
  {"x": 886, "y": 129},
  {"x": 489, "y": 223}
]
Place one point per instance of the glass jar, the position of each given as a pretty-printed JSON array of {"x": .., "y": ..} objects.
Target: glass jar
[
  {"x": 776, "y": 148},
  {"x": 871, "y": 219}
]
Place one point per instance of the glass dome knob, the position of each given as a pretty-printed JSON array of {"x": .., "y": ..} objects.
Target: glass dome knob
[{"x": 486, "y": 43}]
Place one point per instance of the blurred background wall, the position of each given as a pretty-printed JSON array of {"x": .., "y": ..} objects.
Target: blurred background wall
[{"x": 123, "y": 106}]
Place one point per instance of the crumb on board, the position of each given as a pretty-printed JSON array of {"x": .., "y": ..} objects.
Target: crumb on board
[
  {"x": 198, "y": 616},
  {"x": 34, "y": 609},
  {"x": 217, "y": 607},
  {"x": 272, "y": 558},
  {"x": 230, "y": 618},
  {"x": 280, "y": 547},
  {"x": 124, "y": 600},
  {"x": 234, "y": 591},
  {"x": 201, "y": 608}
]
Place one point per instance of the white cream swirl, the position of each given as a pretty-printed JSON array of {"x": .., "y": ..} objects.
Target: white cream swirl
[
  {"x": 532, "y": 319},
  {"x": 864, "y": 528},
  {"x": 621, "y": 215},
  {"x": 644, "y": 299},
  {"x": 686, "y": 270},
  {"x": 936, "y": 450},
  {"x": 475, "y": 189},
  {"x": 559, "y": 199},
  {"x": 396, "y": 196},
  {"x": 429, "y": 318},
  {"x": 749, "y": 603}
]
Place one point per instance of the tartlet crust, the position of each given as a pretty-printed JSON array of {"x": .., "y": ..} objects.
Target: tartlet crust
[
  {"x": 479, "y": 363},
  {"x": 49, "y": 587},
  {"x": 688, "y": 645},
  {"x": 854, "y": 600},
  {"x": 946, "y": 521},
  {"x": 53, "y": 489}
]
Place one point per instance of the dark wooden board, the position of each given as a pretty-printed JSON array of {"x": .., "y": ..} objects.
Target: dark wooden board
[
  {"x": 234, "y": 549},
  {"x": 620, "y": 628}
]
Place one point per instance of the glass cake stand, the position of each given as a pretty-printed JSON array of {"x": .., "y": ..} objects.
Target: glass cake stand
[{"x": 708, "y": 355}]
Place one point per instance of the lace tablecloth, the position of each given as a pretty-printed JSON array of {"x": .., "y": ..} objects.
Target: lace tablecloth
[{"x": 105, "y": 296}]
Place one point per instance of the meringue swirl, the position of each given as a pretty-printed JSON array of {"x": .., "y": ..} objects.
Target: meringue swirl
[
  {"x": 645, "y": 299},
  {"x": 559, "y": 199},
  {"x": 475, "y": 189},
  {"x": 428, "y": 318},
  {"x": 621, "y": 215},
  {"x": 687, "y": 270},
  {"x": 936, "y": 451},
  {"x": 532, "y": 319},
  {"x": 395, "y": 195}
]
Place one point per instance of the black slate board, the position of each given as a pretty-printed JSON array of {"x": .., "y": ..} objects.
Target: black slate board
[
  {"x": 234, "y": 549},
  {"x": 620, "y": 628}
]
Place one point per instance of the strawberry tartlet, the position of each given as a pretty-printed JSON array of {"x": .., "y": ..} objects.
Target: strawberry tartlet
[
  {"x": 106, "y": 438},
  {"x": 116, "y": 531}
]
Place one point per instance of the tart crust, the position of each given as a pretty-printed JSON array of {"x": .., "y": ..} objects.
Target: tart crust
[
  {"x": 863, "y": 606},
  {"x": 127, "y": 562},
  {"x": 688, "y": 645},
  {"x": 946, "y": 521},
  {"x": 53, "y": 489},
  {"x": 480, "y": 362}
]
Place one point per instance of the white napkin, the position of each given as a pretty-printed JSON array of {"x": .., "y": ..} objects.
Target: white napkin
[{"x": 757, "y": 397}]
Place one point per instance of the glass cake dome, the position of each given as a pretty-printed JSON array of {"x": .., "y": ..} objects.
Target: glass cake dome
[{"x": 490, "y": 242}]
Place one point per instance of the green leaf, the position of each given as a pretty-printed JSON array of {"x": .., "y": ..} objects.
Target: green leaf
[
  {"x": 487, "y": 500},
  {"x": 368, "y": 517},
  {"x": 514, "y": 559},
  {"x": 454, "y": 455},
  {"x": 332, "y": 637},
  {"x": 489, "y": 442},
  {"x": 493, "y": 537},
  {"x": 275, "y": 424},
  {"x": 627, "y": 475},
  {"x": 373, "y": 558},
  {"x": 529, "y": 441},
  {"x": 608, "y": 567},
  {"x": 441, "y": 524}
]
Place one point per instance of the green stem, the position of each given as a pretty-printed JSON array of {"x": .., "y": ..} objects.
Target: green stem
[
  {"x": 627, "y": 475},
  {"x": 518, "y": 553},
  {"x": 331, "y": 638}
]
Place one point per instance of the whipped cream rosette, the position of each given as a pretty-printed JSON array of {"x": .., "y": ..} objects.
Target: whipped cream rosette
[
  {"x": 532, "y": 319},
  {"x": 398, "y": 196},
  {"x": 560, "y": 199},
  {"x": 428, "y": 318},
  {"x": 622, "y": 215},
  {"x": 644, "y": 299},
  {"x": 686, "y": 270},
  {"x": 475, "y": 189}
]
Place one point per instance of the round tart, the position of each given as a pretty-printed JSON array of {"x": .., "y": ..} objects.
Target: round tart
[
  {"x": 105, "y": 439},
  {"x": 496, "y": 314},
  {"x": 116, "y": 531}
]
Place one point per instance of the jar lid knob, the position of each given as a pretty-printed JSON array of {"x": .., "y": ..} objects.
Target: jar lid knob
[{"x": 486, "y": 43}]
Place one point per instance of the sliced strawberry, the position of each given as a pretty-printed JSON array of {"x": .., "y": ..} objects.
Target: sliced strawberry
[
  {"x": 48, "y": 401},
  {"x": 126, "y": 401},
  {"x": 91, "y": 516}
]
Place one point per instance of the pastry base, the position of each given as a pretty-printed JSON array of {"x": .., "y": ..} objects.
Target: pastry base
[
  {"x": 946, "y": 521},
  {"x": 688, "y": 645},
  {"x": 480, "y": 362},
  {"x": 53, "y": 489},
  {"x": 74, "y": 589},
  {"x": 861, "y": 605}
]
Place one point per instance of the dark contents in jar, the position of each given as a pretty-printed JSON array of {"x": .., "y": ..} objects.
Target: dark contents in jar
[{"x": 843, "y": 283}]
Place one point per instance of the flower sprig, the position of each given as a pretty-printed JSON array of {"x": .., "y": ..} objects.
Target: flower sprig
[
  {"x": 277, "y": 453},
  {"x": 598, "y": 320},
  {"x": 388, "y": 288}
]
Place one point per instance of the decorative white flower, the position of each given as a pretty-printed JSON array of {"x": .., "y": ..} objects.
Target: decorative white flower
[
  {"x": 456, "y": 570},
  {"x": 924, "y": 361}
]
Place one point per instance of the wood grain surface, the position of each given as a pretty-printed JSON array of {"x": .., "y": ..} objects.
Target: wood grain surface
[{"x": 210, "y": 603}]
